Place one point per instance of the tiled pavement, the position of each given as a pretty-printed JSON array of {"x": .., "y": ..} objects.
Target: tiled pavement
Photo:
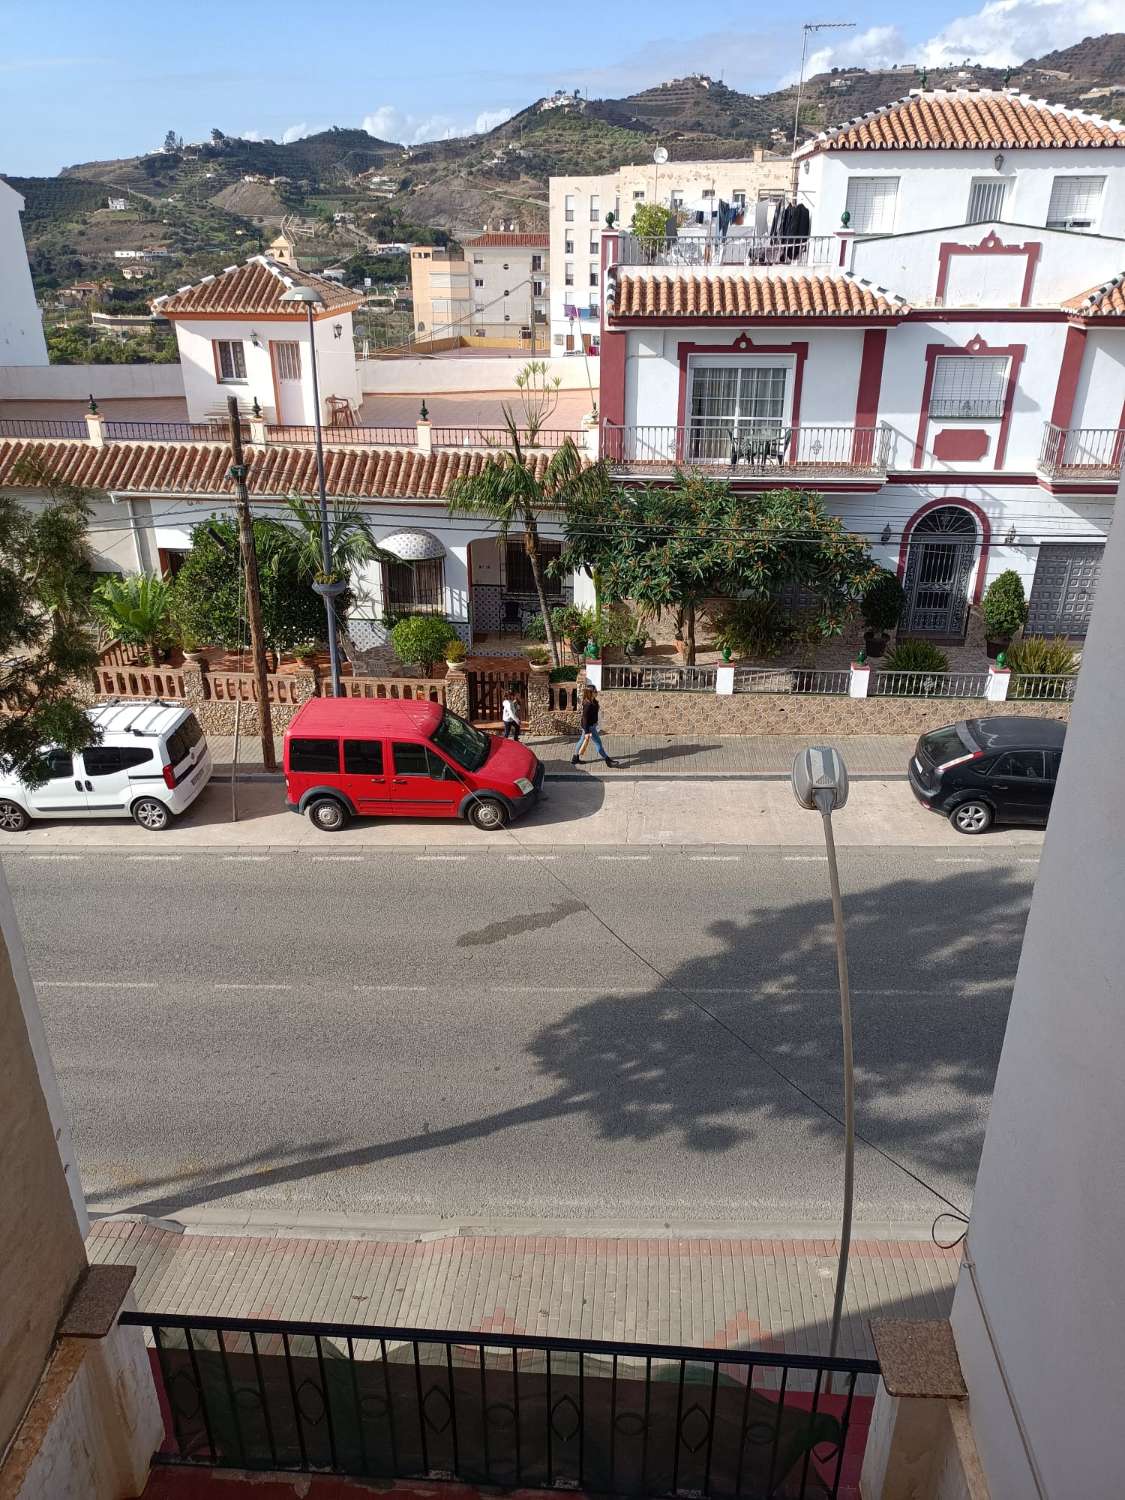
[
  {"x": 663, "y": 755},
  {"x": 718, "y": 1292}
]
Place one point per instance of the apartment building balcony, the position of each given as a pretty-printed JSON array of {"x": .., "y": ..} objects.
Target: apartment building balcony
[
  {"x": 738, "y": 252},
  {"x": 762, "y": 451},
  {"x": 1081, "y": 453}
]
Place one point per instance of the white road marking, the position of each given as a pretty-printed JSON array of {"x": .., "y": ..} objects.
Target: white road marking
[
  {"x": 95, "y": 984},
  {"x": 430, "y": 858},
  {"x": 391, "y": 989},
  {"x": 968, "y": 859},
  {"x": 805, "y": 859},
  {"x": 247, "y": 858},
  {"x": 253, "y": 986},
  {"x": 151, "y": 857},
  {"x": 624, "y": 856},
  {"x": 56, "y": 856},
  {"x": 335, "y": 859},
  {"x": 1034, "y": 861},
  {"x": 714, "y": 857}
]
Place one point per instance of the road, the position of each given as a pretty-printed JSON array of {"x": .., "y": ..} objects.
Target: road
[{"x": 643, "y": 1036}]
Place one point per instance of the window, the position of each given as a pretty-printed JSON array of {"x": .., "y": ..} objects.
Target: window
[
  {"x": 593, "y": 277},
  {"x": 595, "y": 208},
  {"x": 1052, "y": 759},
  {"x": 595, "y": 245},
  {"x": 871, "y": 204},
  {"x": 288, "y": 360},
  {"x": 518, "y": 577},
  {"x": 59, "y": 765},
  {"x": 1020, "y": 764},
  {"x": 230, "y": 359},
  {"x": 707, "y": 193},
  {"x": 736, "y": 403},
  {"x": 568, "y": 245},
  {"x": 972, "y": 386},
  {"x": 461, "y": 742},
  {"x": 537, "y": 289},
  {"x": 568, "y": 273},
  {"x": 414, "y": 587},
  {"x": 536, "y": 262},
  {"x": 105, "y": 760},
  {"x": 478, "y": 260},
  {"x": 182, "y": 741},
  {"x": 568, "y": 209},
  {"x": 319, "y": 756},
  {"x": 638, "y": 195},
  {"x": 363, "y": 757},
  {"x": 1075, "y": 202},
  {"x": 676, "y": 198},
  {"x": 419, "y": 760},
  {"x": 986, "y": 200},
  {"x": 478, "y": 281},
  {"x": 738, "y": 197},
  {"x": 505, "y": 268}
]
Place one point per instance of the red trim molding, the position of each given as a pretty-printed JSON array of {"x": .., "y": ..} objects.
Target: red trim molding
[
  {"x": 1015, "y": 354},
  {"x": 1070, "y": 366},
  {"x": 958, "y": 503},
  {"x": 870, "y": 385},
  {"x": 744, "y": 344},
  {"x": 992, "y": 244}
]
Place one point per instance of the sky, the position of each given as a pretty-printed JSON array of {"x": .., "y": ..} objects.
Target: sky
[{"x": 75, "y": 86}]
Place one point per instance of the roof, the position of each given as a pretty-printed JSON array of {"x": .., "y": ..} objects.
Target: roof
[
  {"x": 276, "y": 470},
  {"x": 376, "y": 715},
  {"x": 968, "y": 120},
  {"x": 136, "y": 716},
  {"x": 1105, "y": 301},
  {"x": 491, "y": 239},
  {"x": 723, "y": 296},
  {"x": 253, "y": 290},
  {"x": 1008, "y": 731}
]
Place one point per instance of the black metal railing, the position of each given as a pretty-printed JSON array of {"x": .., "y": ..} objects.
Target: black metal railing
[
  {"x": 42, "y": 427},
  {"x": 171, "y": 432},
  {"x": 507, "y": 1410}
]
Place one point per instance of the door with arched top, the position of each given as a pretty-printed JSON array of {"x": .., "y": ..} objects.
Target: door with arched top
[{"x": 939, "y": 564}]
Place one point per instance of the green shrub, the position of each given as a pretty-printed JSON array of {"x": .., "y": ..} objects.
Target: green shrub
[
  {"x": 1036, "y": 654},
  {"x": 564, "y": 674},
  {"x": 422, "y": 639},
  {"x": 754, "y": 627},
  {"x": 882, "y": 604},
  {"x": 538, "y": 656},
  {"x": 1004, "y": 605},
  {"x": 456, "y": 650},
  {"x": 916, "y": 656},
  {"x": 137, "y": 609}
]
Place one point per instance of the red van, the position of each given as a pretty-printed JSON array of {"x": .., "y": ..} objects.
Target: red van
[{"x": 377, "y": 758}]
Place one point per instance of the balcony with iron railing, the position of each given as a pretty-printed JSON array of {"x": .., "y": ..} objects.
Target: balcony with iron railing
[
  {"x": 749, "y": 450},
  {"x": 735, "y": 252},
  {"x": 1080, "y": 453}
]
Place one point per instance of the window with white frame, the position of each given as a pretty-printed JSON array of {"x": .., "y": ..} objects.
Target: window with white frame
[
  {"x": 568, "y": 273},
  {"x": 986, "y": 200},
  {"x": 969, "y": 386},
  {"x": 593, "y": 277},
  {"x": 595, "y": 208},
  {"x": 568, "y": 208},
  {"x": 536, "y": 262},
  {"x": 738, "y": 198},
  {"x": 676, "y": 198},
  {"x": 288, "y": 359},
  {"x": 737, "y": 405},
  {"x": 478, "y": 280},
  {"x": 230, "y": 359},
  {"x": 1075, "y": 202},
  {"x": 638, "y": 195},
  {"x": 568, "y": 245},
  {"x": 595, "y": 245},
  {"x": 871, "y": 204}
]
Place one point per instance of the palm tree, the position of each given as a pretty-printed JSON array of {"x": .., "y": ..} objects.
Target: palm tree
[
  {"x": 508, "y": 491},
  {"x": 137, "y": 609},
  {"x": 350, "y": 543}
]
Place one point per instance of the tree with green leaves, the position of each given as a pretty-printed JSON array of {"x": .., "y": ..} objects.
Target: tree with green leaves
[
  {"x": 350, "y": 542},
  {"x": 136, "y": 609},
  {"x": 509, "y": 492},
  {"x": 422, "y": 639},
  {"x": 46, "y": 639}
]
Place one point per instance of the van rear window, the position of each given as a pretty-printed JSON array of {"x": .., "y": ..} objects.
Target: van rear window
[
  {"x": 183, "y": 740},
  {"x": 314, "y": 755}
]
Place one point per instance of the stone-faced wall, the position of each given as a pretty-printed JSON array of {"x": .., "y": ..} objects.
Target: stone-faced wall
[{"x": 627, "y": 712}]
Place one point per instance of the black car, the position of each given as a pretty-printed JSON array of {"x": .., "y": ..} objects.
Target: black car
[{"x": 985, "y": 771}]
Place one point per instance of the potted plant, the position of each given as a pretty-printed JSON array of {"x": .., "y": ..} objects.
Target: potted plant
[
  {"x": 881, "y": 608},
  {"x": 455, "y": 653},
  {"x": 329, "y": 585},
  {"x": 306, "y": 653},
  {"x": 1004, "y": 607},
  {"x": 539, "y": 658}
]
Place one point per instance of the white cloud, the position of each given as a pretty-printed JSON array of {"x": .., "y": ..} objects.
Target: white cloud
[
  {"x": 488, "y": 119},
  {"x": 249, "y": 135},
  {"x": 299, "y": 132},
  {"x": 390, "y": 123}
]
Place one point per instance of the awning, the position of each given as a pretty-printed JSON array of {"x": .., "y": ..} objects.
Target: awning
[{"x": 413, "y": 545}]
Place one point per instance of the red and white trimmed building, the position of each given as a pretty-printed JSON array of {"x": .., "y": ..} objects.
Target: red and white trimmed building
[{"x": 942, "y": 356}]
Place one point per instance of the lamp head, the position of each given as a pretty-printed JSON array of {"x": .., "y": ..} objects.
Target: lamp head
[
  {"x": 305, "y": 294},
  {"x": 820, "y": 779}
]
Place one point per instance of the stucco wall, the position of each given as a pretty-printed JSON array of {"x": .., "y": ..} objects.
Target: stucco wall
[
  {"x": 428, "y": 377},
  {"x": 21, "y": 323},
  {"x": 205, "y": 394}
]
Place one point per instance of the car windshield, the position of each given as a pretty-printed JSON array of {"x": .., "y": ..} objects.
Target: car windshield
[{"x": 461, "y": 742}]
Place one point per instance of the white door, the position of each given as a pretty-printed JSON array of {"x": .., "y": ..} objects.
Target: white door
[
  {"x": 64, "y": 794},
  {"x": 287, "y": 362},
  {"x": 109, "y": 772}
]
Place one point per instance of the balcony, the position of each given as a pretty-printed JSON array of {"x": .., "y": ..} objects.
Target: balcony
[
  {"x": 735, "y": 252},
  {"x": 1081, "y": 453},
  {"x": 797, "y": 454}
]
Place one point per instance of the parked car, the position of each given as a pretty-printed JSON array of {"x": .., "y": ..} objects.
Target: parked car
[
  {"x": 985, "y": 771},
  {"x": 380, "y": 758},
  {"x": 150, "y": 763}
]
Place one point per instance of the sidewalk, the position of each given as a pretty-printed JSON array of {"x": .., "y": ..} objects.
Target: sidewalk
[
  {"x": 715, "y": 1292},
  {"x": 871, "y": 755}
]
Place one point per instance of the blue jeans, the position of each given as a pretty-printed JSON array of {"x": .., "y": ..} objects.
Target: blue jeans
[{"x": 585, "y": 737}]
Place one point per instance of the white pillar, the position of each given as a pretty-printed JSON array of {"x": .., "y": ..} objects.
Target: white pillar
[
  {"x": 594, "y": 674},
  {"x": 860, "y": 680},
  {"x": 258, "y": 431},
  {"x": 999, "y": 679},
  {"x": 425, "y": 436},
  {"x": 724, "y": 681},
  {"x": 95, "y": 428}
]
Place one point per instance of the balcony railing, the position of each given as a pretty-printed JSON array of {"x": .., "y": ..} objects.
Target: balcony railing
[
  {"x": 1081, "y": 452},
  {"x": 41, "y": 427},
  {"x": 746, "y": 251},
  {"x": 373, "y": 437},
  {"x": 511, "y": 1411},
  {"x": 168, "y": 432},
  {"x": 751, "y": 450}
]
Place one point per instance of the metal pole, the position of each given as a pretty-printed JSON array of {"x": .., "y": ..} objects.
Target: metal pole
[
  {"x": 849, "y": 1101},
  {"x": 797, "y": 111},
  {"x": 238, "y": 471},
  {"x": 325, "y": 540}
]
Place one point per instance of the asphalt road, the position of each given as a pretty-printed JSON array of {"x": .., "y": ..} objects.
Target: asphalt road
[{"x": 626, "y": 1035}]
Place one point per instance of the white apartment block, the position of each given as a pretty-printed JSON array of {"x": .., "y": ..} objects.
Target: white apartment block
[
  {"x": 509, "y": 274},
  {"x": 578, "y": 207},
  {"x": 21, "y": 323}
]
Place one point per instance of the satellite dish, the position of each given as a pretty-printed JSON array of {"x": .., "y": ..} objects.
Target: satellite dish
[{"x": 660, "y": 155}]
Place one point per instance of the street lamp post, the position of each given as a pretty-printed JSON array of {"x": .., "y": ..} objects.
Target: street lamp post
[
  {"x": 820, "y": 784},
  {"x": 331, "y": 588}
]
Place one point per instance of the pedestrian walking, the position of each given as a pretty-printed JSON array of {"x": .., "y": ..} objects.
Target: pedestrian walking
[
  {"x": 510, "y": 713},
  {"x": 590, "y": 711}
]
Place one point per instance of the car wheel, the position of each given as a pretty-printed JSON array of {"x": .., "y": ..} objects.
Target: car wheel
[
  {"x": 971, "y": 817},
  {"x": 151, "y": 814},
  {"x": 13, "y": 819},
  {"x": 488, "y": 814},
  {"x": 327, "y": 814}
]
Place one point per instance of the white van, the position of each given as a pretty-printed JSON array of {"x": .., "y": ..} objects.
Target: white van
[{"x": 150, "y": 762}]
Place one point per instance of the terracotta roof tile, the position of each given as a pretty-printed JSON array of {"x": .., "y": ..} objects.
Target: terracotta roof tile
[
  {"x": 723, "y": 296},
  {"x": 966, "y": 120},
  {"x": 201, "y": 468},
  {"x": 508, "y": 240},
  {"x": 252, "y": 290},
  {"x": 1105, "y": 301}
]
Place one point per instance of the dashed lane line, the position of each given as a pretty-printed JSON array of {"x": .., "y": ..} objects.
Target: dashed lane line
[{"x": 252, "y": 986}]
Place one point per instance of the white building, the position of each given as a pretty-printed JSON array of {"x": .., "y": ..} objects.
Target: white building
[
  {"x": 237, "y": 337},
  {"x": 21, "y": 323},
  {"x": 951, "y": 379},
  {"x": 578, "y": 209},
  {"x": 510, "y": 275}
]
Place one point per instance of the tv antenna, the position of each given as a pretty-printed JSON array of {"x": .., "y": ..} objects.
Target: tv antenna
[{"x": 806, "y": 29}]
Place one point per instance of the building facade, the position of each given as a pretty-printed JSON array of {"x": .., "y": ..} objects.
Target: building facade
[
  {"x": 442, "y": 294},
  {"x": 21, "y": 324},
  {"x": 578, "y": 208},
  {"x": 510, "y": 274},
  {"x": 954, "y": 389}
]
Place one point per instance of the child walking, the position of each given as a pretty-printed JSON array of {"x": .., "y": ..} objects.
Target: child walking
[{"x": 590, "y": 730}]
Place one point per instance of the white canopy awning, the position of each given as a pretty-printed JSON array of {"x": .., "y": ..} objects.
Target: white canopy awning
[{"x": 412, "y": 544}]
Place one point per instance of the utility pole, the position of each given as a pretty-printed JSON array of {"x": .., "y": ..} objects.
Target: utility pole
[
  {"x": 237, "y": 472},
  {"x": 806, "y": 31}
]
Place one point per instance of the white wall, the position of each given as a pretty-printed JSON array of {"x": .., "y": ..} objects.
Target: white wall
[
  {"x": 205, "y": 394},
  {"x": 1048, "y": 1220},
  {"x": 432, "y": 377},
  {"x": 505, "y": 298},
  {"x": 21, "y": 323},
  {"x": 74, "y": 382},
  {"x": 1100, "y": 398}
]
